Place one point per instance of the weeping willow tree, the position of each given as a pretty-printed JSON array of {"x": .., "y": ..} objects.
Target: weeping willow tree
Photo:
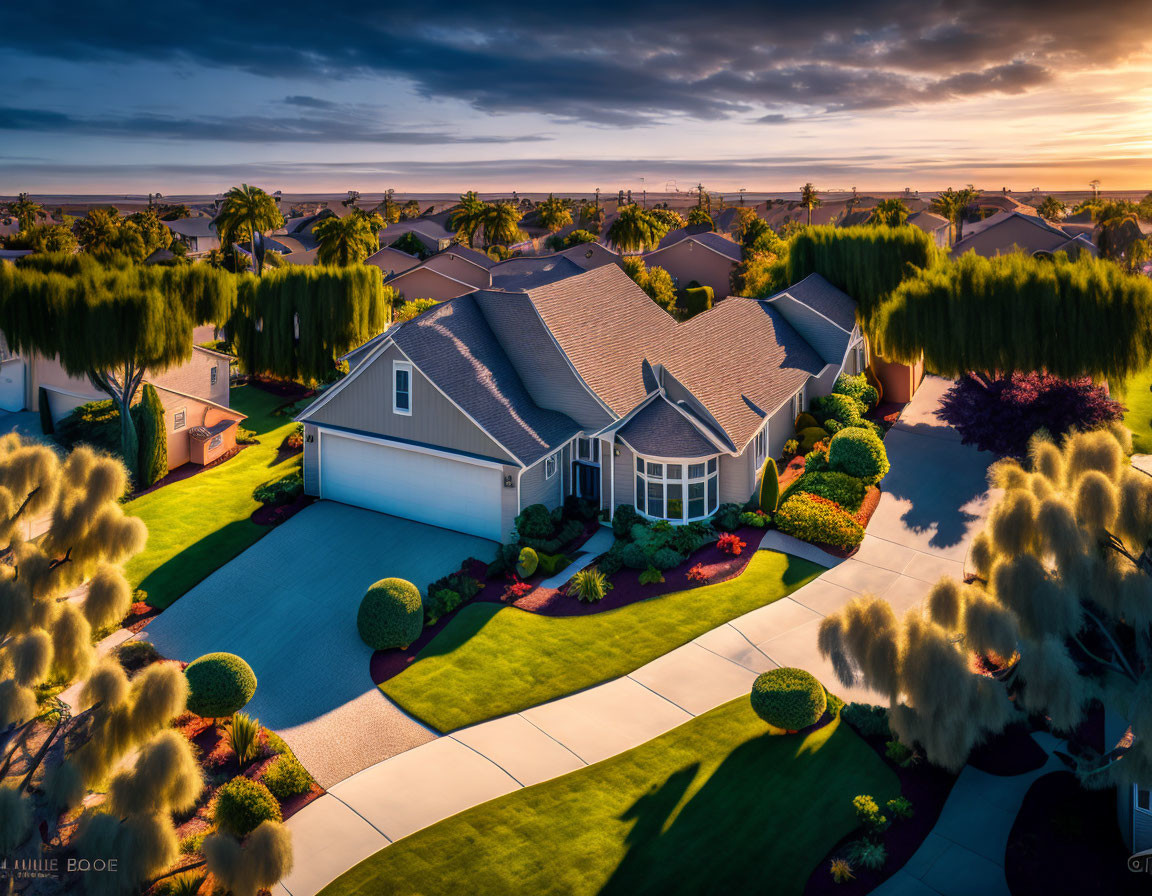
[
  {"x": 110, "y": 323},
  {"x": 867, "y": 262},
  {"x": 1059, "y": 614},
  {"x": 244, "y": 869},
  {"x": 296, "y": 322},
  {"x": 996, "y": 316}
]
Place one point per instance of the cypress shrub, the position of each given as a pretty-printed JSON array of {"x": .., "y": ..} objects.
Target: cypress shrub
[
  {"x": 769, "y": 487},
  {"x": 153, "y": 437}
]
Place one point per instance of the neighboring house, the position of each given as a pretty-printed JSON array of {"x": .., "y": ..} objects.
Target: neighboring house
[
  {"x": 590, "y": 255},
  {"x": 194, "y": 394},
  {"x": 936, "y": 226},
  {"x": 708, "y": 258},
  {"x": 1014, "y": 231},
  {"x": 431, "y": 233},
  {"x": 197, "y": 233},
  {"x": 426, "y": 283},
  {"x": 392, "y": 261},
  {"x": 496, "y": 400},
  {"x": 530, "y": 271},
  {"x": 463, "y": 266}
]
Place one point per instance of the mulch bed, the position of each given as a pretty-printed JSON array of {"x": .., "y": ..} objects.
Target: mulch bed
[
  {"x": 275, "y": 514},
  {"x": 927, "y": 786},
  {"x": 1012, "y": 752},
  {"x": 285, "y": 388},
  {"x": 139, "y": 615},
  {"x": 886, "y": 413},
  {"x": 1066, "y": 840},
  {"x": 187, "y": 471},
  {"x": 792, "y": 471}
]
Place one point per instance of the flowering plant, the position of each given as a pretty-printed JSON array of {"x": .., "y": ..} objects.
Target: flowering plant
[{"x": 731, "y": 543}]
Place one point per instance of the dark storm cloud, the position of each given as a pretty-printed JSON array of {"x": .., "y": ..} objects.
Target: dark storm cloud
[
  {"x": 351, "y": 127},
  {"x": 614, "y": 63}
]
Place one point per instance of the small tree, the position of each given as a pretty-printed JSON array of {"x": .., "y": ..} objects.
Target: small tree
[
  {"x": 348, "y": 240},
  {"x": 654, "y": 280},
  {"x": 889, "y": 213},
  {"x": 1059, "y": 614},
  {"x": 953, "y": 205},
  {"x": 769, "y": 496},
  {"x": 247, "y": 213},
  {"x": 554, "y": 213},
  {"x": 153, "y": 438},
  {"x": 1051, "y": 209},
  {"x": 809, "y": 199},
  {"x": 635, "y": 230}
]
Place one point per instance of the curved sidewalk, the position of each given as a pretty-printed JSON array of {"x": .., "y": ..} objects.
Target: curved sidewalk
[{"x": 934, "y": 501}]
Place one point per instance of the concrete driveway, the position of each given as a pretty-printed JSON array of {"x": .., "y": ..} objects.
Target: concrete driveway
[{"x": 288, "y": 606}]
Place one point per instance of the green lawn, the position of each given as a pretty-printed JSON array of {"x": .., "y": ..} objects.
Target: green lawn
[
  {"x": 714, "y": 806},
  {"x": 197, "y": 525},
  {"x": 491, "y": 660},
  {"x": 1135, "y": 395}
]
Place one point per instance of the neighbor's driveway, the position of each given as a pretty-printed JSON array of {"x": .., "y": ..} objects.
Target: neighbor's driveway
[{"x": 288, "y": 606}]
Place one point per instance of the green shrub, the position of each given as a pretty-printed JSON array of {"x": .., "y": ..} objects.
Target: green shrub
[
  {"x": 246, "y": 436},
  {"x": 391, "y": 615},
  {"x": 153, "y": 441},
  {"x": 97, "y": 424},
  {"x": 815, "y": 519},
  {"x": 242, "y": 804},
  {"x": 727, "y": 517},
  {"x": 805, "y": 421},
  {"x": 756, "y": 519},
  {"x": 136, "y": 654},
  {"x": 869, "y": 815},
  {"x": 841, "y": 408},
  {"x": 666, "y": 558},
  {"x": 845, "y": 490},
  {"x": 625, "y": 517},
  {"x": 689, "y": 537},
  {"x": 589, "y": 585},
  {"x": 285, "y": 777},
  {"x": 244, "y": 737},
  {"x": 788, "y": 698},
  {"x": 901, "y": 755},
  {"x": 769, "y": 487},
  {"x": 841, "y": 871},
  {"x": 868, "y": 854},
  {"x": 280, "y": 491},
  {"x": 219, "y": 684},
  {"x": 651, "y": 576},
  {"x": 791, "y": 448},
  {"x": 816, "y": 460},
  {"x": 634, "y": 556},
  {"x": 900, "y": 807},
  {"x": 810, "y": 436},
  {"x": 858, "y": 388},
  {"x": 695, "y": 300},
  {"x": 868, "y": 720},
  {"x": 190, "y": 845},
  {"x": 440, "y": 603},
  {"x": 527, "y": 563},
  {"x": 858, "y": 453},
  {"x": 550, "y": 564},
  {"x": 535, "y": 521}
]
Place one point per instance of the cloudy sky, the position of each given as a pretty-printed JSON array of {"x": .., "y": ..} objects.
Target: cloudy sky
[{"x": 320, "y": 96}]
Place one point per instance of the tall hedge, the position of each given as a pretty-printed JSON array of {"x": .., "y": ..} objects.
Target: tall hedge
[
  {"x": 295, "y": 322},
  {"x": 868, "y": 263},
  {"x": 1016, "y": 313},
  {"x": 153, "y": 437},
  {"x": 769, "y": 496}
]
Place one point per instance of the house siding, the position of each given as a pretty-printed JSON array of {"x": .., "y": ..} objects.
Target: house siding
[
  {"x": 366, "y": 405},
  {"x": 425, "y": 283},
  {"x": 539, "y": 362},
  {"x": 195, "y": 377},
  {"x": 687, "y": 261},
  {"x": 820, "y": 333},
  {"x": 781, "y": 427},
  {"x": 737, "y": 478},
  {"x": 624, "y": 471},
  {"x": 458, "y": 268},
  {"x": 535, "y": 489}
]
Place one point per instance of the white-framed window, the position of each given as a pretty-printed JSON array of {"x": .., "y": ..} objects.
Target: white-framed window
[
  {"x": 588, "y": 450},
  {"x": 1143, "y": 800},
  {"x": 799, "y": 402},
  {"x": 402, "y": 388},
  {"x": 212, "y": 376},
  {"x": 550, "y": 465},
  {"x": 760, "y": 445},
  {"x": 679, "y": 491},
  {"x": 179, "y": 420}
]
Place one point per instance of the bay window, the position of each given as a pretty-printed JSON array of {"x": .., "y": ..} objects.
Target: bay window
[{"x": 679, "y": 491}]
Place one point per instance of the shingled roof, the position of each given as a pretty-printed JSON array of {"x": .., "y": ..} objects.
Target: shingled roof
[
  {"x": 454, "y": 347},
  {"x": 659, "y": 430},
  {"x": 824, "y": 298}
]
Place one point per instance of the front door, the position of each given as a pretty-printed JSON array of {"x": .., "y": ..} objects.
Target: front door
[{"x": 587, "y": 480}]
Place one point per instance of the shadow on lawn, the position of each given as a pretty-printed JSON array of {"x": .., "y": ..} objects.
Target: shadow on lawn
[
  {"x": 175, "y": 577},
  {"x": 743, "y": 831}
]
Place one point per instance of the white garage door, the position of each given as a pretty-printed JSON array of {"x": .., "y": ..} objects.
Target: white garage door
[{"x": 424, "y": 487}]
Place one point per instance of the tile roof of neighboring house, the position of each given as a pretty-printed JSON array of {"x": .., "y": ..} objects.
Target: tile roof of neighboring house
[
  {"x": 415, "y": 225},
  {"x": 160, "y": 256},
  {"x": 453, "y": 346},
  {"x": 529, "y": 272},
  {"x": 398, "y": 280},
  {"x": 392, "y": 260},
  {"x": 978, "y": 227},
  {"x": 714, "y": 241},
  {"x": 660, "y": 430},
  {"x": 473, "y": 255},
  {"x": 854, "y": 217},
  {"x": 824, "y": 298},
  {"x": 674, "y": 236},
  {"x": 590, "y": 255},
  {"x": 192, "y": 227},
  {"x": 929, "y": 221}
]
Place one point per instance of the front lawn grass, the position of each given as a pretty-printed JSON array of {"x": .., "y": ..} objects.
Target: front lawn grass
[
  {"x": 491, "y": 660},
  {"x": 714, "y": 806},
  {"x": 1136, "y": 397},
  {"x": 197, "y": 525}
]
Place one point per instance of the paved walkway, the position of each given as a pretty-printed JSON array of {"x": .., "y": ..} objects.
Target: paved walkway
[
  {"x": 288, "y": 604},
  {"x": 592, "y": 548},
  {"x": 964, "y": 854},
  {"x": 1143, "y": 463},
  {"x": 934, "y": 501}
]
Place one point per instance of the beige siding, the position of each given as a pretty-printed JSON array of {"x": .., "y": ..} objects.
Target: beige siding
[
  {"x": 624, "y": 469},
  {"x": 365, "y": 405},
  {"x": 424, "y": 283},
  {"x": 195, "y": 377},
  {"x": 458, "y": 268},
  {"x": 311, "y": 460},
  {"x": 535, "y": 489},
  {"x": 737, "y": 478},
  {"x": 819, "y": 386},
  {"x": 781, "y": 427},
  {"x": 196, "y": 413},
  {"x": 687, "y": 261}
]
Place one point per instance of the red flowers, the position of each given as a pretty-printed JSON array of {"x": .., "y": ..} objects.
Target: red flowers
[
  {"x": 730, "y": 543},
  {"x": 515, "y": 591},
  {"x": 697, "y": 574}
]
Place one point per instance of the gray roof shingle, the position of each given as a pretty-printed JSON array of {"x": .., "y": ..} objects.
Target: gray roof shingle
[
  {"x": 453, "y": 346},
  {"x": 518, "y": 274},
  {"x": 821, "y": 296},
  {"x": 660, "y": 430}
]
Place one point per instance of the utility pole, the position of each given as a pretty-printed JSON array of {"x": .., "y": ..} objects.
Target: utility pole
[
  {"x": 644, "y": 193},
  {"x": 742, "y": 189},
  {"x": 597, "y": 197}
]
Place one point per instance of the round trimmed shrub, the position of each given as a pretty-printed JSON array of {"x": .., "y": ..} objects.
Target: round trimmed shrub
[
  {"x": 527, "y": 563},
  {"x": 810, "y": 436},
  {"x": 242, "y": 804},
  {"x": 285, "y": 777},
  {"x": 391, "y": 615},
  {"x": 635, "y": 557},
  {"x": 859, "y": 453},
  {"x": 219, "y": 684},
  {"x": 805, "y": 421},
  {"x": 666, "y": 558},
  {"x": 788, "y": 698}
]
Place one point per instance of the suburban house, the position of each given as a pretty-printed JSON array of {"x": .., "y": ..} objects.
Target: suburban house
[
  {"x": 432, "y": 234},
  {"x": 197, "y": 233},
  {"x": 936, "y": 226},
  {"x": 1014, "y": 231},
  {"x": 707, "y": 258},
  {"x": 392, "y": 261},
  {"x": 590, "y": 255},
  {"x": 495, "y": 400},
  {"x": 194, "y": 395}
]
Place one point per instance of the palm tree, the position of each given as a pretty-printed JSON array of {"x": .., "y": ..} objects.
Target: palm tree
[
  {"x": 554, "y": 213},
  {"x": 500, "y": 221},
  {"x": 25, "y": 211},
  {"x": 1117, "y": 227},
  {"x": 635, "y": 230},
  {"x": 1051, "y": 209},
  {"x": 245, "y": 212},
  {"x": 347, "y": 240},
  {"x": 952, "y": 204},
  {"x": 699, "y": 216},
  {"x": 98, "y": 232},
  {"x": 889, "y": 213},
  {"x": 809, "y": 200},
  {"x": 467, "y": 218}
]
